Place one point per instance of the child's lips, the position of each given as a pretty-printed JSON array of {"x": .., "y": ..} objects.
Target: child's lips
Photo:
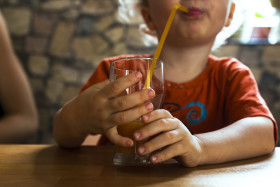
[{"x": 194, "y": 12}]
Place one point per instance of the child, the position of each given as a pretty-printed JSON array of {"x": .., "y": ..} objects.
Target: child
[{"x": 213, "y": 111}]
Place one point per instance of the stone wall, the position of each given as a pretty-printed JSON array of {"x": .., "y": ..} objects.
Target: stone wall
[{"x": 60, "y": 42}]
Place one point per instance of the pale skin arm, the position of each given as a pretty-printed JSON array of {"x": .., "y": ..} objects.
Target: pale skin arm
[
  {"x": 246, "y": 138},
  {"x": 20, "y": 120},
  {"x": 97, "y": 110}
]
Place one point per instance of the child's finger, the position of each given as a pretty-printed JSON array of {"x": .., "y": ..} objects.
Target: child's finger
[
  {"x": 168, "y": 153},
  {"x": 157, "y": 127},
  {"x": 160, "y": 141},
  {"x": 93, "y": 89},
  {"x": 124, "y": 117},
  {"x": 131, "y": 100},
  {"x": 155, "y": 115},
  {"x": 118, "y": 86},
  {"x": 99, "y": 86},
  {"x": 115, "y": 138}
]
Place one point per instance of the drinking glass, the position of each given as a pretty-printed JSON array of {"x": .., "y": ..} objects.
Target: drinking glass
[{"x": 124, "y": 67}]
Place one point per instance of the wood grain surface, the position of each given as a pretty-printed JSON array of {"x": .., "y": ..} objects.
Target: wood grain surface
[{"x": 49, "y": 165}]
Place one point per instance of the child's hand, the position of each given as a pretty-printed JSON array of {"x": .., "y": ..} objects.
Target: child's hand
[
  {"x": 102, "y": 109},
  {"x": 172, "y": 135}
]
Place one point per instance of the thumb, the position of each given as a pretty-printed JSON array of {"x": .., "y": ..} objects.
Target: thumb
[{"x": 113, "y": 135}]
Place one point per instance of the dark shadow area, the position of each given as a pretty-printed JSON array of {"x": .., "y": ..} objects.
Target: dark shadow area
[{"x": 82, "y": 167}]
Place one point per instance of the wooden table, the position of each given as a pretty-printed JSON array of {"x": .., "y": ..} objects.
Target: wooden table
[{"x": 49, "y": 165}]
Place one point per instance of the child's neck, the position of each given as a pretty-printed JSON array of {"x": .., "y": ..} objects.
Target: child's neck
[{"x": 183, "y": 65}]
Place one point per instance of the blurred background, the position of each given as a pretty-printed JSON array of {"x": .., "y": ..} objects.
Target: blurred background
[{"x": 60, "y": 42}]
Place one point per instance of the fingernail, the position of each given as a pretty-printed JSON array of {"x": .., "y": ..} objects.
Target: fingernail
[
  {"x": 129, "y": 143},
  {"x": 138, "y": 75},
  {"x": 141, "y": 150},
  {"x": 149, "y": 106},
  {"x": 137, "y": 135},
  {"x": 151, "y": 93},
  {"x": 154, "y": 159}
]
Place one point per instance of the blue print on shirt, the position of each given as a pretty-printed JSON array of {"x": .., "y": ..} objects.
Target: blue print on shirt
[{"x": 196, "y": 113}]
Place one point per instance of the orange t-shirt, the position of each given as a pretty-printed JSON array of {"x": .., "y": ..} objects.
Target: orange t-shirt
[{"x": 222, "y": 94}]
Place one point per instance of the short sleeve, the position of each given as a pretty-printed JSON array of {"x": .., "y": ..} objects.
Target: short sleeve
[{"x": 243, "y": 98}]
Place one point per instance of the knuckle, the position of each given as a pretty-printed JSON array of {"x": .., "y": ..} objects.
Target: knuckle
[
  {"x": 163, "y": 122},
  {"x": 165, "y": 112},
  {"x": 168, "y": 136},
  {"x": 120, "y": 119},
  {"x": 153, "y": 114},
  {"x": 114, "y": 87},
  {"x": 121, "y": 103}
]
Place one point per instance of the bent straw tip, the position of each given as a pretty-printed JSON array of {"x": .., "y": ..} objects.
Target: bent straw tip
[{"x": 180, "y": 7}]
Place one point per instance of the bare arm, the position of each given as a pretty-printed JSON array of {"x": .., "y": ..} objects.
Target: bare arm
[
  {"x": 20, "y": 119},
  {"x": 245, "y": 138}
]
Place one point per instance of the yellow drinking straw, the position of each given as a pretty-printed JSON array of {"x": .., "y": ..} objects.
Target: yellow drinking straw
[{"x": 162, "y": 40}]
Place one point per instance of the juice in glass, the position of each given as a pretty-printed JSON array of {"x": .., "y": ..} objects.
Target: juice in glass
[{"x": 127, "y": 130}]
